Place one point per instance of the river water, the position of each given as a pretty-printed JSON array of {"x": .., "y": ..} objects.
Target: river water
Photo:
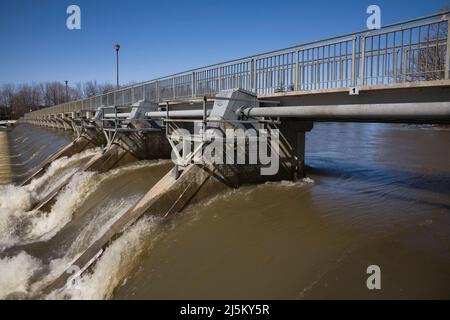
[{"x": 375, "y": 194}]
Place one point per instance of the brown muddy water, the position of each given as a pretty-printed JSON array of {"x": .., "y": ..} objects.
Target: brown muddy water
[{"x": 375, "y": 194}]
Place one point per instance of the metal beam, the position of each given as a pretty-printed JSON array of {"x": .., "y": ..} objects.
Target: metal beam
[
  {"x": 365, "y": 112},
  {"x": 177, "y": 114}
]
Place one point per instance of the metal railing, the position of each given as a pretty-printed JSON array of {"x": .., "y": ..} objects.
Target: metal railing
[{"x": 413, "y": 50}]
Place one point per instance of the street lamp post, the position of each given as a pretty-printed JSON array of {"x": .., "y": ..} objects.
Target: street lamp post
[
  {"x": 67, "y": 91},
  {"x": 117, "y": 46}
]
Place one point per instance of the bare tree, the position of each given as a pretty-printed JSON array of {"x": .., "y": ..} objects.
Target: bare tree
[
  {"x": 7, "y": 92},
  {"x": 106, "y": 87},
  {"x": 53, "y": 93},
  {"x": 15, "y": 100},
  {"x": 90, "y": 88},
  {"x": 27, "y": 97},
  {"x": 77, "y": 91},
  {"x": 431, "y": 52}
]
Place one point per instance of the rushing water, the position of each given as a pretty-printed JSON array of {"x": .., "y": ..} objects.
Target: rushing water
[
  {"x": 376, "y": 194},
  {"x": 29, "y": 146}
]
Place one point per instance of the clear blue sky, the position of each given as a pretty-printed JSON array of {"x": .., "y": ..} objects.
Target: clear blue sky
[{"x": 163, "y": 37}]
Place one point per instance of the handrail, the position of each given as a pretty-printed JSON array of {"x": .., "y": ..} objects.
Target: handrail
[{"x": 314, "y": 65}]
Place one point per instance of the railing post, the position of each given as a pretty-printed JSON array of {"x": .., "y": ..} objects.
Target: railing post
[
  {"x": 115, "y": 118},
  {"x": 297, "y": 53},
  {"x": 167, "y": 118},
  {"x": 253, "y": 75},
  {"x": 205, "y": 100},
  {"x": 193, "y": 84},
  {"x": 363, "y": 56},
  {"x": 173, "y": 88},
  {"x": 395, "y": 63},
  {"x": 404, "y": 67},
  {"x": 353, "y": 80},
  {"x": 157, "y": 91},
  {"x": 447, "y": 53},
  {"x": 219, "y": 72}
]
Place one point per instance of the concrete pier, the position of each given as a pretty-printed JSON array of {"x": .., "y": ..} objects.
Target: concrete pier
[{"x": 295, "y": 134}]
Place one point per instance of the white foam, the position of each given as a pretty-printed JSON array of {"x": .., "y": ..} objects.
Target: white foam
[
  {"x": 16, "y": 273},
  {"x": 95, "y": 228},
  {"x": 45, "y": 226},
  {"x": 288, "y": 183},
  {"x": 14, "y": 198},
  {"x": 100, "y": 222},
  {"x": 56, "y": 170},
  {"x": 28, "y": 194},
  {"x": 17, "y": 225},
  {"x": 113, "y": 266}
]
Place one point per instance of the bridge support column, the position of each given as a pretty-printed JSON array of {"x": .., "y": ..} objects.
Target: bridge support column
[
  {"x": 66, "y": 124},
  {"x": 294, "y": 134}
]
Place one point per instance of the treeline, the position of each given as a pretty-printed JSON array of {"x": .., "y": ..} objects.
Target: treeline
[{"x": 15, "y": 100}]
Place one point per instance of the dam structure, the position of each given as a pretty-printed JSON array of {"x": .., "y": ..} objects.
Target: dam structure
[{"x": 274, "y": 99}]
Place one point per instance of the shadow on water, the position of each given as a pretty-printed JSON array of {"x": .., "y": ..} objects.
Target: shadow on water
[{"x": 432, "y": 183}]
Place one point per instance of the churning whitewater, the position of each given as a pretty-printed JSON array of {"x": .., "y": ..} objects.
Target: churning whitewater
[
  {"x": 26, "y": 275},
  {"x": 113, "y": 266},
  {"x": 83, "y": 210},
  {"x": 20, "y": 224}
]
